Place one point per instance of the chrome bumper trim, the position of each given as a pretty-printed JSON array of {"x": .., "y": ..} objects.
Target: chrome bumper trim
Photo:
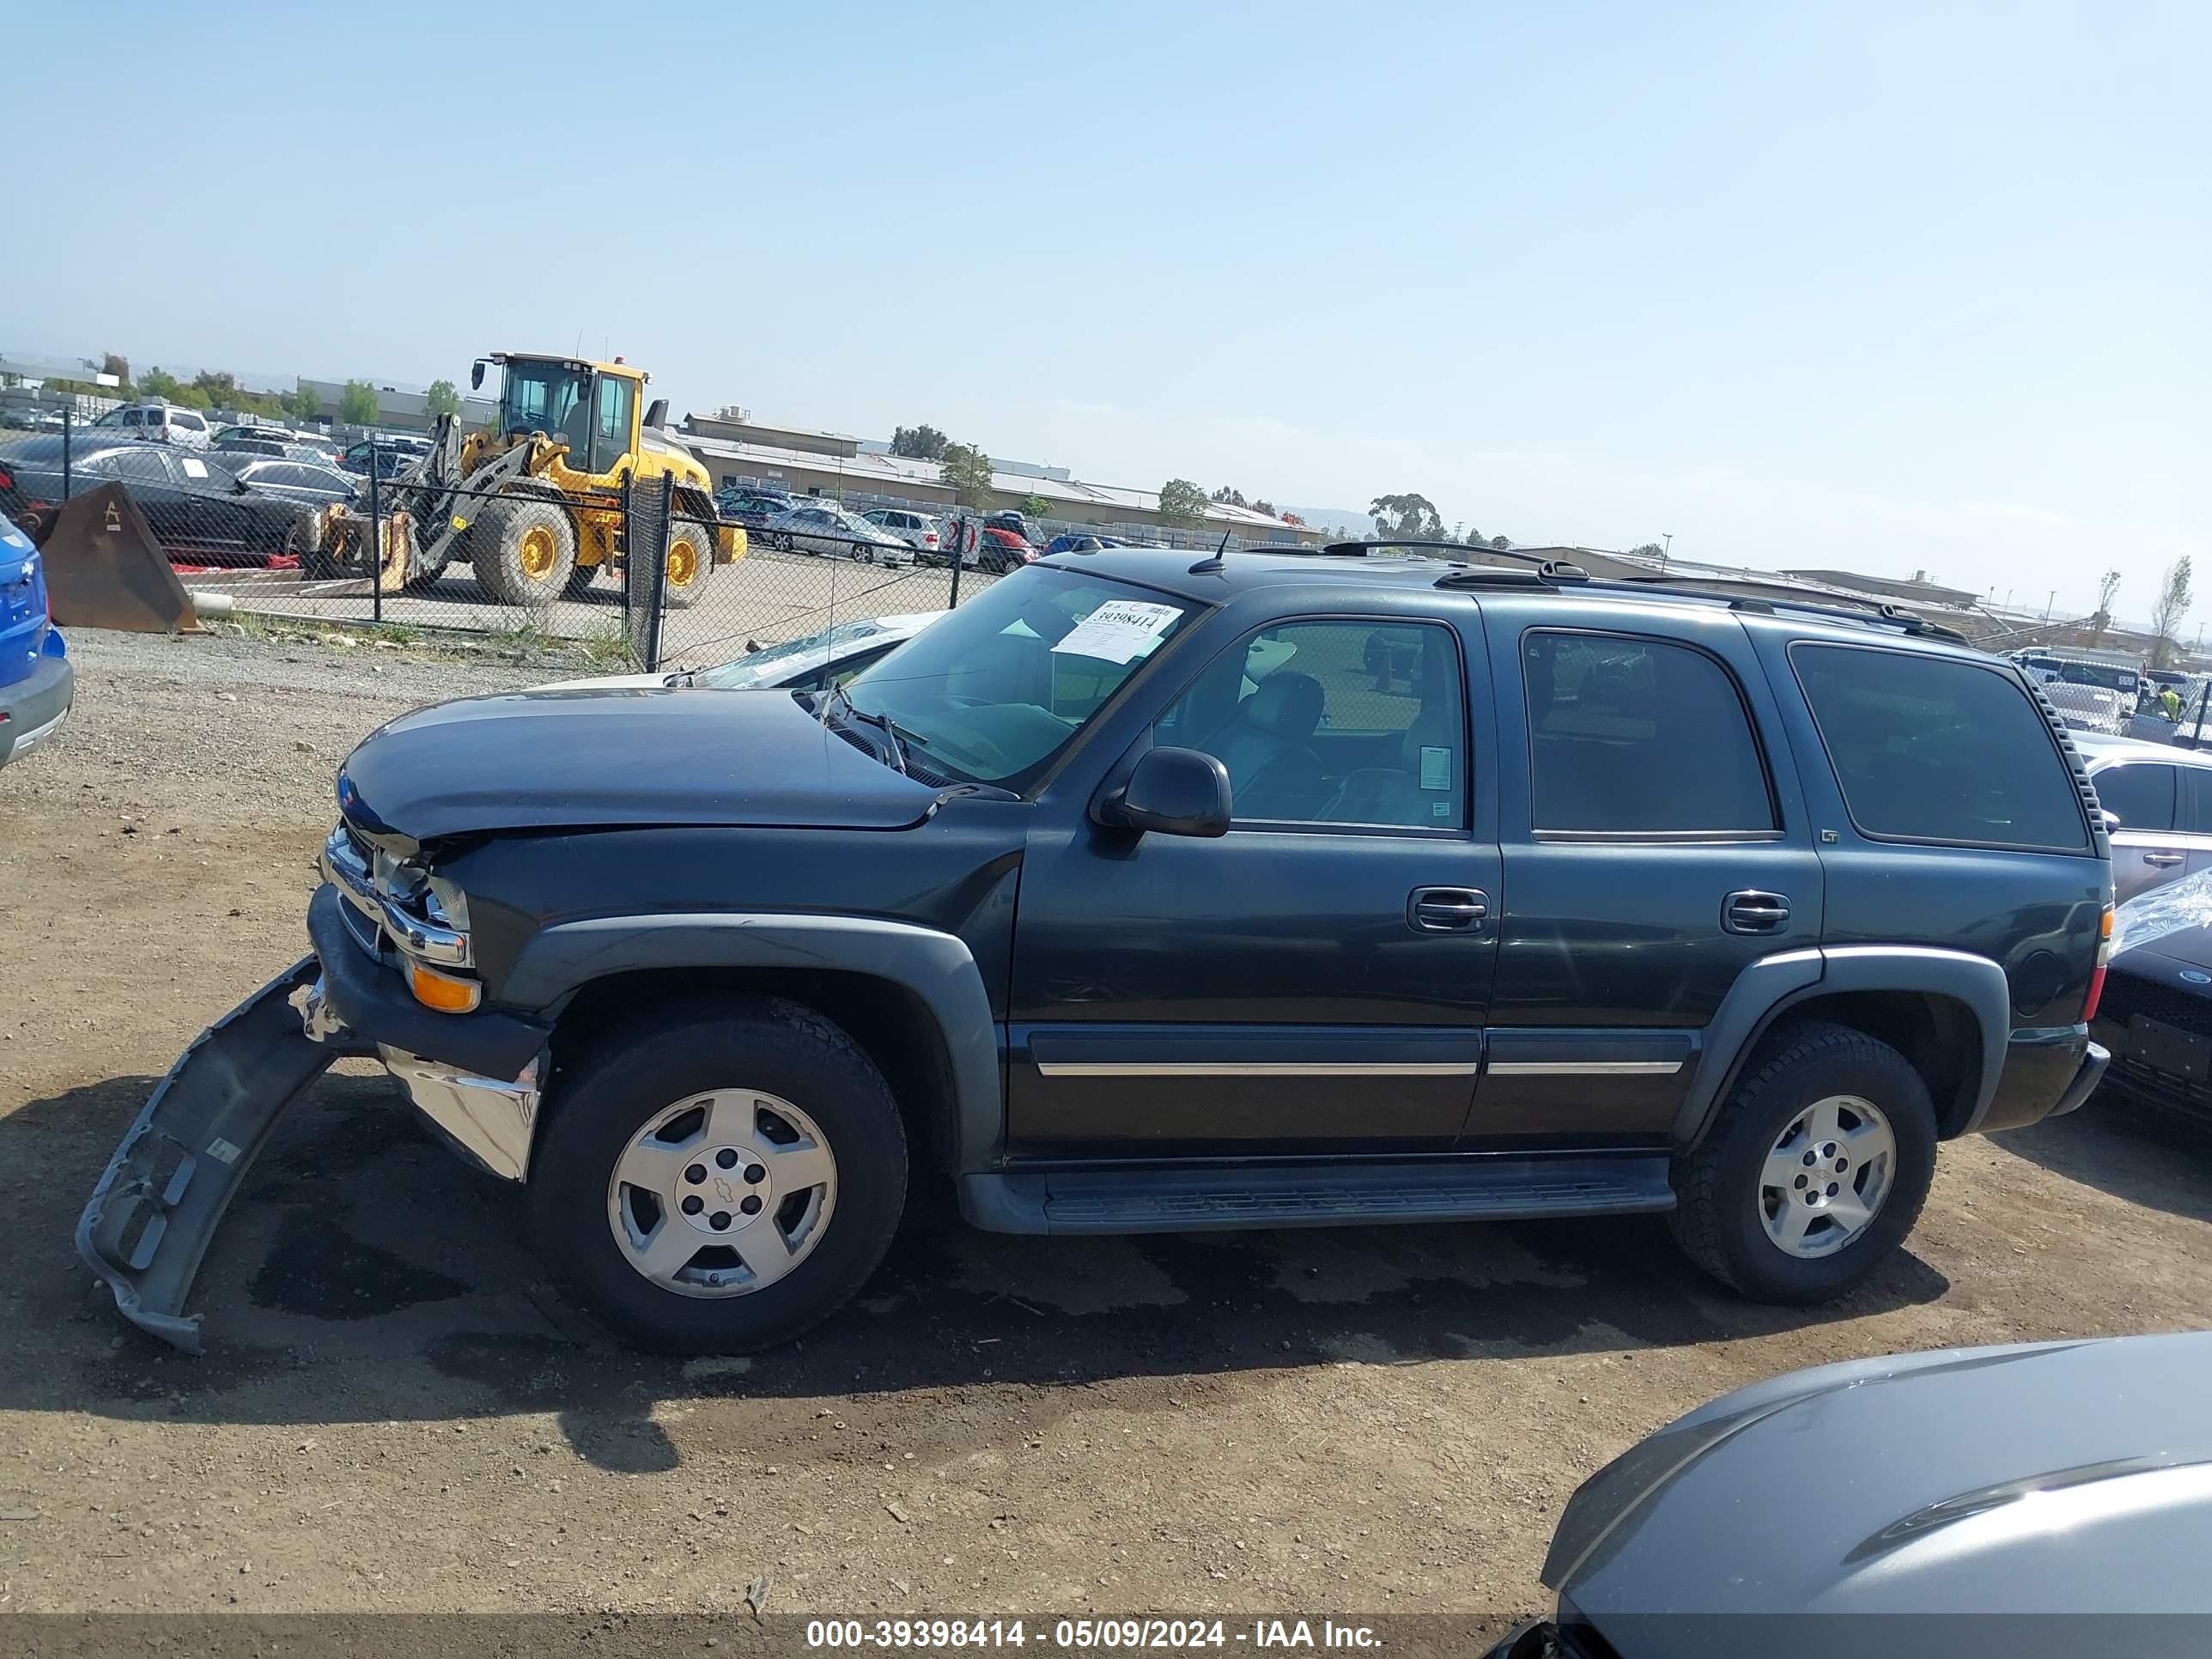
[
  {"x": 490, "y": 1122},
  {"x": 347, "y": 871}
]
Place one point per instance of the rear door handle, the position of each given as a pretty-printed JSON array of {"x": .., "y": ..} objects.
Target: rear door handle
[
  {"x": 2164, "y": 860},
  {"x": 1447, "y": 910},
  {"x": 1750, "y": 911}
]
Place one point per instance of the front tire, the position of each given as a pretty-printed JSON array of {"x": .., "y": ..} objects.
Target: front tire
[
  {"x": 716, "y": 1181},
  {"x": 1813, "y": 1172},
  {"x": 524, "y": 549}
]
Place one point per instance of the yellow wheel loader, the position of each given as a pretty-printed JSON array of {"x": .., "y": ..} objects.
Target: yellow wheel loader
[{"x": 534, "y": 501}]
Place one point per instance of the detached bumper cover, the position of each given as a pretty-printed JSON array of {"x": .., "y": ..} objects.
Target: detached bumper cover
[
  {"x": 2085, "y": 1080},
  {"x": 151, "y": 1220}
]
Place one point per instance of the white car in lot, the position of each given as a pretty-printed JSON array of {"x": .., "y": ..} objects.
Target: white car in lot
[
  {"x": 922, "y": 532},
  {"x": 829, "y": 657},
  {"x": 158, "y": 423},
  {"x": 824, "y": 528}
]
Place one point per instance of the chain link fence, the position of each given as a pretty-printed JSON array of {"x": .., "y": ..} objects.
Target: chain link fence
[{"x": 266, "y": 523}]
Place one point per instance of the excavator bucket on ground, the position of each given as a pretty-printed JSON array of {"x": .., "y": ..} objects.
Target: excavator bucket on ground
[{"x": 103, "y": 568}]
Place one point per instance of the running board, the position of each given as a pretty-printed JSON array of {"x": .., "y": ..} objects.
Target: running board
[{"x": 1218, "y": 1197}]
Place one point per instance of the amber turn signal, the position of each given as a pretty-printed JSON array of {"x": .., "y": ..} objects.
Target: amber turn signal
[{"x": 449, "y": 993}]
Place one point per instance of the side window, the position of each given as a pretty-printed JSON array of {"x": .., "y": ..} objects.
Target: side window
[
  {"x": 2193, "y": 809},
  {"x": 1930, "y": 748},
  {"x": 142, "y": 467},
  {"x": 2141, "y": 797},
  {"x": 134, "y": 417},
  {"x": 611, "y": 423},
  {"x": 1630, "y": 736},
  {"x": 1342, "y": 722}
]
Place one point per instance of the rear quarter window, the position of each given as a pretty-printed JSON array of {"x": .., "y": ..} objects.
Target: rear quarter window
[{"x": 1939, "y": 749}]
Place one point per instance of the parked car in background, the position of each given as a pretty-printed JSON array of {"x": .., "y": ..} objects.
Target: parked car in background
[
  {"x": 1011, "y": 521},
  {"x": 922, "y": 532},
  {"x": 1001, "y": 551},
  {"x": 1984, "y": 1486},
  {"x": 824, "y": 528},
  {"x": 2155, "y": 1017},
  {"x": 752, "y": 508},
  {"x": 196, "y": 508},
  {"x": 226, "y": 437},
  {"x": 808, "y": 663},
  {"x": 30, "y": 417},
  {"x": 155, "y": 423},
  {"x": 37, "y": 684},
  {"x": 296, "y": 480},
  {"x": 237, "y": 449},
  {"x": 2158, "y": 802},
  {"x": 393, "y": 455}
]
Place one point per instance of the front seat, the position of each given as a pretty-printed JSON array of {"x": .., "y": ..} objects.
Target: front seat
[{"x": 1274, "y": 772}]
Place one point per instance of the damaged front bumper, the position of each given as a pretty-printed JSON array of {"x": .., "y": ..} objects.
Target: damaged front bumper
[
  {"x": 154, "y": 1212},
  {"x": 151, "y": 1217}
]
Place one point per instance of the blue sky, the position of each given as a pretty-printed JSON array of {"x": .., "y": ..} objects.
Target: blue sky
[{"x": 1897, "y": 287}]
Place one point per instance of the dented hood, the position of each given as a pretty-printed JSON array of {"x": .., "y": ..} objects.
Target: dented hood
[{"x": 568, "y": 760}]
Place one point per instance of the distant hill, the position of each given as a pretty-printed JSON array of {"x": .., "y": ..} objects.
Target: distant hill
[{"x": 1328, "y": 518}]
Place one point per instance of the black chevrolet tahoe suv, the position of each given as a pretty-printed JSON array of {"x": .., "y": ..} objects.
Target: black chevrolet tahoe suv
[{"x": 1145, "y": 894}]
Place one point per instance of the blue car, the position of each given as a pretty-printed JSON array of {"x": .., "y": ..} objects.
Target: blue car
[{"x": 37, "y": 684}]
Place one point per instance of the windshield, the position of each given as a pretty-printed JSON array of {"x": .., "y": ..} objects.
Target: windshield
[
  {"x": 770, "y": 661},
  {"x": 541, "y": 397},
  {"x": 995, "y": 689}
]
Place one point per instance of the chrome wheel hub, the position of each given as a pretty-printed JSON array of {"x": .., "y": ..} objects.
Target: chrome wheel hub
[
  {"x": 722, "y": 1194},
  {"x": 1826, "y": 1176}
]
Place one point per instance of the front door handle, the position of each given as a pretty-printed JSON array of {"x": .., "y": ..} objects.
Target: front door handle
[
  {"x": 1447, "y": 910},
  {"x": 2165, "y": 860},
  {"x": 1750, "y": 911}
]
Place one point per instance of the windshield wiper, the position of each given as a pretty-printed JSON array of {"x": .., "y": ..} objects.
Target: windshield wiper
[{"x": 835, "y": 697}]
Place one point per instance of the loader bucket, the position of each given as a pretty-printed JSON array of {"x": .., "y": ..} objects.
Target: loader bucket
[
  {"x": 103, "y": 568},
  {"x": 151, "y": 1217}
]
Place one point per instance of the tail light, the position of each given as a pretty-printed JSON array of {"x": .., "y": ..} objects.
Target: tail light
[
  {"x": 7, "y": 479},
  {"x": 2104, "y": 961}
]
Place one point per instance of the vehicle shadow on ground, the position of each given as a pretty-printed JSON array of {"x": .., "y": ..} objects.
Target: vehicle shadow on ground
[
  {"x": 2127, "y": 1149},
  {"x": 365, "y": 1275}
]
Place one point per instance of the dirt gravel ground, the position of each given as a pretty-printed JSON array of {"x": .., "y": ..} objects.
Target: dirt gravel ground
[{"x": 396, "y": 1412}]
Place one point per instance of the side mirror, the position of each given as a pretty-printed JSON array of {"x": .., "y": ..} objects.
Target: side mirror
[
  {"x": 656, "y": 412},
  {"x": 476, "y": 375},
  {"x": 2112, "y": 822},
  {"x": 1171, "y": 791}
]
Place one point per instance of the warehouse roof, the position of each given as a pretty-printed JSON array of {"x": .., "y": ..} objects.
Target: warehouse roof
[{"x": 890, "y": 474}]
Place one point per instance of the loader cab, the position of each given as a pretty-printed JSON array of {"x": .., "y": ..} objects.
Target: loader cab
[{"x": 594, "y": 407}]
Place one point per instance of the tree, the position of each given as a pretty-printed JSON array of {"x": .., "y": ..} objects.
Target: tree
[
  {"x": 358, "y": 404},
  {"x": 2174, "y": 601},
  {"x": 303, "y": 402},
  {"x": 966, "y": 471},
  {"x": 161, "y": 385},
  {"x": 443, "y": 397},
  {"x": 1228, "y": 497},
  {"x": 1035, "y": 507},
  {"x": 1647, "y": 550},
  {"x": 1182, "y": 504},
  {"x": 1501, "y": 542},
  {"x": 1259, "y": 506},
  {"x": 2101, "y": 618},
  {"x": 920, "y": 443},
  {"x": 115, "y": 363},
  {"x": 1407, "y": 518}
]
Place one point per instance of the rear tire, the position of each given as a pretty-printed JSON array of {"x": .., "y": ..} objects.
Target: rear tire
[
  {"x": 760, "y": 1053},
  {"x": 1738, "y": 1192},
  {"x": 524, "y": 549}
]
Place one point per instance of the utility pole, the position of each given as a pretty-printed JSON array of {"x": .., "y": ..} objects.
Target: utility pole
[
  {"x": 1668, "y": 536},
  {"x": 2048, "y": 603}
]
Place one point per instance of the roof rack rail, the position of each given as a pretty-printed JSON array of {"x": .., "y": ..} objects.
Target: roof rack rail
[
  {"x": 1549, "y": 573},
  {"x": 1767, "y": 596}
]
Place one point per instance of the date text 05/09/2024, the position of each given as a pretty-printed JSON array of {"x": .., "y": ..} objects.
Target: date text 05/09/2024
[{"x": 1130, "y": 1634}]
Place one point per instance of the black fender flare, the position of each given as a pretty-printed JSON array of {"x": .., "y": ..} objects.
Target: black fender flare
[
  {"x": 935, "y": 967},
  {"x": 1773, "y": 984}
]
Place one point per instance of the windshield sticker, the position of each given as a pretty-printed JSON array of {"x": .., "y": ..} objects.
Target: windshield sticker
[
  {"x": 193, "y": 469},
  {"x": 1435, "y": 768},
  {"x": 1118, "y": 630}
]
